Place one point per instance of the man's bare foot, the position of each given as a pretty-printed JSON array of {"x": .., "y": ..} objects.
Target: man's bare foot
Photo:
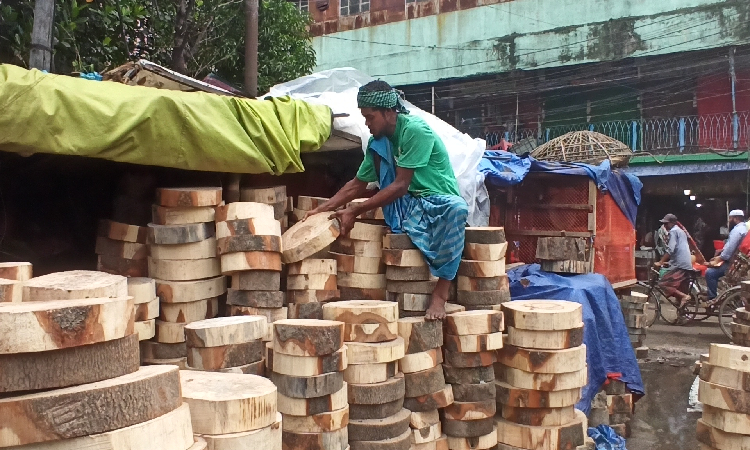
[{"x": 436, "y": 311}]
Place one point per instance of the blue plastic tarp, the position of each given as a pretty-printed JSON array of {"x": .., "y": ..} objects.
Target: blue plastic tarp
[
  {"x": 504, "y": 169},
  {"x": 608, "y": 348}
]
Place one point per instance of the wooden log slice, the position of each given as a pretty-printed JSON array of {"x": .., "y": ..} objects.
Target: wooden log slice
[
  {"x": 70, "y": 366},
  {"x": 183, "y": 270},
  {"x": 263, "y": 226},
  {"x": 121, "y": 249},
  {"x": 301, "y": 297},
  {"x": 531, "y": 398},
  {"x": 473, "y": 342},
  {"x": 467, "y": 428},
  {"x": 485, "y": 235},
  {"x": 222, "y": 403},
  {"x": 115, "y": 265},
  {"x": 332, "y": 440},
  {"x": 398, "y": 242},
  {"x": 257, "y": 280},
  {"x": 306, "y": 238},
  {"x": 451, "y": 308},
  {"x": 435, "y": 400},
  {"x": 270, "y": 194},
  {"x": 307, "y": 203},
  {"x": 741, "y": 313},
  {"x": 351, "y": 293},
  {"x": 474, "y": 392},
  {"x": 312, "y": 266},
  {"x": 474, "y": 322},
  {"x": 395, "y": 273},
  {"x": 317, "y": 423},
  {"x": 11, "y": 291},
  {"x": 727, "y": 421},
  {"x": 145, "y": 329},
  {"x": 422, "y": 383},
  {"x": 271, "y": 314},
  {"x": 470, "y": 359},
  {"x": 419, "y": 420},
  {"x": 91, "y": 408},
  {"x": 544, "y": 438},
  {"x": 190, "y": 311},
  {"x": 404, "y": 258},
  {"x": 256, "y": 368},
  {"x": 410, "y": 302},
  {"x": 181, "y": 363},
  {"x": 225, "y": 356},
  {"x": 561, "y": 248},
  {"x": 369, "y": 332},
  {"x": 358, "y": 264},
  {"x": 376, "y": 393},
  {"x": 361, "y": 280},
  {"x": 474, "y": 284},
  {"x": 402, "y": 442},
  {"x": 541, "y": 381},
  {"x": 300, "y": 337},
  {"x": 543, "y": 361},
  {"x": 488, "y": 441},
  {"x": 180, "y": 234},
  {"x": 379, "y": 411},
  {"x": 157, "y": 350},
  {"x": 485, "y": 252},
  {"x": 477, "y": 410},
  {"x": 348, "y": 246},
  {"x": 317, "y": 281},
  {"x": 543, "y": 315},
  {"x": 305, "y": 311},
  {"x": 379, "y": 429},
  {"x": 248, "y": 243},
  {"x": 41, "y": 326},
  {"x": 367, "y": 232},
  {"x": 232, "y": 263},
  {"x": 146, "y": 311},
  {"x": 312, "y": 406},
  {"x": 722, "y": 376},
  {"x": 370, "y": 373},
  {"x": 715, "y": 438},
  {"x": 483, "y": 298},
  {"x": 121, "y": 232},
  {"x": 539, "y": 417},
  {"x": 411, "y": 287},
  {"x": 163, "y": 215},
  {"x": 370, "y": 353},
  {"x": 266, "y": 438},
  {"x": 192, "y": 196},
  {"x": 169, "y": 332},
  {"x": 417, "y": 362},
  {"x": 308, "y": 366},
  {"x": 724, "y": 397},
  {"x": 190, "y": 291},
  {"x": 15, "y": 271},
  {"x": 74, "y": 284},
  {"x": 308, "y": 387},
  {"x": 362, "y": 312},
  {"x": 729, "y": 356},
  {"x": 143, "y": 290},
  {"x": 469, "y": 375},
  {"x": 546, "y": 340},
  {"x": 256, "y": 299},
  {"x": 565, "y": 266},
  {"x": 481, "y": 269},
  {"x": 426, "y": 434}
]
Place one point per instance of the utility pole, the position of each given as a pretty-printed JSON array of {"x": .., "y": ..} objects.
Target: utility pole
[
  {"x": 41, "y": 35},
  {"x": 251, "y": 47},
  {"x": 735, "y": 118}
]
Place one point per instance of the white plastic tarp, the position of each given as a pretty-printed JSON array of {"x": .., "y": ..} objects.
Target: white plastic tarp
[{"x": 337, "y": 88}]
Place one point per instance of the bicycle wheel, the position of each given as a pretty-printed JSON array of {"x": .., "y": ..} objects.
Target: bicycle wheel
[
  {"x": 730, "y": 301},
  {"x": 671, "y": 312},
  {"x": 696, "y": 307},
  {"x": 651, "y": 309}
]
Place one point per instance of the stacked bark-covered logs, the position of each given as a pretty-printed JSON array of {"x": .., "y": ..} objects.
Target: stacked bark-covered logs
[
  {"x": 410, "y": 283},
  {"x": 249, "y": 242},
  {"x": 12, "y": 276},
  {"x": 275, "y": 196},
  {"x": 359, "y": 257},
  {"x": 724, "y": 391},
  {"x": 308, "y": 360},
  {"x": 184, "y": 263},
  {"x": 425, "y": 387},
  {"x": 470, "y": 341},
  {"x": 232, "y": 411},
  {"x": 564, "y": 254},
  {"x": 741, "y": 327},
  {"x": 122, "y": 249},
  {"x": 539, "y": 376},
  {"x": 634, "y": 311},
  {"x": 143, "y": 291},
  {"x": 227, "y": 344},
  {"x": 79, "y": 358},
  {"x": 482, "y": 281},
  {"x": 378, "y": 421}
]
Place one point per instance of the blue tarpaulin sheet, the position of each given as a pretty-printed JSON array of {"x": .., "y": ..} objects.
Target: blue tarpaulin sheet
[
  {"x": 608, "y": 348},
  {"x": 503, "y": 169}
]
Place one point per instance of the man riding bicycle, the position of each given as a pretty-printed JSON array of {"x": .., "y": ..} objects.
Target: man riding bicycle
[
  {"x": 676, "y": 282},
  {"x": 720, "y": 263}
]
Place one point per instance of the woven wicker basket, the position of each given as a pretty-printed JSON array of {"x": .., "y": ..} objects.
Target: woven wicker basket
[{"x": 586, "y": 147}]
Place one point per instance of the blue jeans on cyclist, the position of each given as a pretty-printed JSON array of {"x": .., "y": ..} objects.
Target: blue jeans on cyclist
[{"x": 712, "y": 279}]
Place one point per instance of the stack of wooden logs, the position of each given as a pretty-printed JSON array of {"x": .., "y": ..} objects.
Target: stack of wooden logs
[
  {"x": 143, "y": 291},
  {"x": 227, "y": 344},
  {"x": 310, "y": 283},
  {"x": 564, "y": 254},
  {"x": 424, "y": 381},
  {"x": 410, "y": 283},
  {"x": 482, "y": 281},
  {"x": 619, "y": 404},
  {"x": 359, "y": 257},
  {"x": 373, "y": 350},
  {"x": 250, "y": 249},
  {"x": 12, "y": 276},
  {"x": 741, "y": 326},
  {"x": 305, "y": 204},
  {"x": 59, "y": 350},
  {"x": 232, "y": 411},
  {"x": 724, "y": 392},
  {"x": 470, "y": 341},
  {"x": 539, "y": 376},
  {"x": 122, "y": 249},
  {"x": 183, "y": 261},
  {"x": 308, "y": 359},
  {"x": 634, "y": 311},
  {"x": 275, "y": 196}
]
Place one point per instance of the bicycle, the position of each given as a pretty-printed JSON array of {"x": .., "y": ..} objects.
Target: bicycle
[{"x": 659, "y": 304}]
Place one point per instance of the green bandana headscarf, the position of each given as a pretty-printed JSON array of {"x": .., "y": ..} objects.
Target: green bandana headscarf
[{"x": 381, "y": 99}]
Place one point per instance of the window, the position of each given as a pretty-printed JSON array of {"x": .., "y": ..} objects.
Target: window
[
  {"x": 302, "y": 5},
  {"x": 353, "y": 7}
]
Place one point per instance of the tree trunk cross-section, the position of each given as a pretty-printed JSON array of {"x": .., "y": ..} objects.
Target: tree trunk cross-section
[
  {"x": 377, "y": 393},
  {"x": 17, "y": 271},
  {"x": 312, "y": 406},
  {"x": 545, "y": 340},
  {"x": 247, "y": 227},
  {"x": 426, "y": 382},
  {"x": 225, "y": 331},
  {"x": 306, "y": 238},
  {"x": 308, "y": 387},
  {"x": 541, "y": 381},
  {"x": 308, "y": 366},
  {"x": 379, "y": 429},
  {"x": 332, "y": 440},
  {"x": 473, "y": 392},
  {"x": 75, "y": 284},
  {"x": 543, "y": 315},
  {"x": 180, "y": 234},
  {"x": 543, "y": 361},
  {"x": 435, "y": 400},
  {"x": 164, "y": 215},
  {"x": 183, "y": 270},
  {"x": 225, "y": 356},
  {"x": 303, "y": 337},
  {"x": 198, "y": 196},
  {"x": 317, "y": 423},
  {"x": 242, "y": 261},
  {"x": 362, "y": 312},
  {"x": 190, "y": 291},
  {"x": 531, "y": 398},
  {"x": 474, "y": 322},
  {"x": 401, "y": 442},
  {"x": 485, "y": 235},
  {"x": 562, "y": 437}
]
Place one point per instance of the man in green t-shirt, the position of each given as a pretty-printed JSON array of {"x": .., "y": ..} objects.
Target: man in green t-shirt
[{"x": 418, "y": 189}]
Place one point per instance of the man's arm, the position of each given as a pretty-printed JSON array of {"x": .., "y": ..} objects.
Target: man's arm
[
  {"x": 735, "y": 237},
  {"x": 354, "y": 188}
]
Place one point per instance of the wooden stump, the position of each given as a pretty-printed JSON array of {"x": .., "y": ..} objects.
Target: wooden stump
[
  {"x": 531, "y": 398},
  {"x": 267, "y": 438},
  {"x": 723, "y": 397},
  {"x": 317, "y": 423},
  {"x": 485, "y": 252},
  {"x": 498, "y": 283},
  {"x": 361, "y": 280},
  {"x": 722, "y": 376},
  {"x": 362, "y": 312},
  {"x": 730, "y": 356},
  {"x": 222, "y": 403},
  {"x": 417, "y": 362},
  {"x": 244, "y": 227},
  {"x": 183, "y": 270},
  {"x": 543, "y": 315},
  {"x": 302, "y": 297},
  {"x": 311, "y": 406},
  {"x": 469, "y": 375},
  {"x": 308, "y": 387},
  {"x": 395, "y": 273},
  {"x": 257, "y": 280},
  {"x": 192, "y": 196},
  {"x": 376, "y": 393},
  {"x": 348, "y": 246},
  {"x": 255, "y": 299},
  {"x": 539, "y": 417},
  {"x": 190, "y": 291},
  {"x": 485, "y": 235},
  {"x": 411, "y": 287},
  {"x": 94, "y": 408},
  {"x": 314, "y": 282},
  {"x": 225, "y": 356},
  {"x": 302, "y": 337},
  {"x": 232, "y": 263},
  {"x": 424, "y": 383},
  {"x": 379, "y": 429},
  {"x": 308, "y": 366},
  {"x": 367, "y": 232},
  {"x": 169, "y": 332},
  {"x": 332, "y": 440},
  {"x": 180, "y": 234},
  {"x": 370, "y": 373},
  {"x": 306, "y": 238},
  {"x": 473, "y": 342},
  {"x": 488, "y": 441},
  {"x": 163, "y": 215},
  {"x": 435, "y": 400},
  {"x": 370, "y": 353},
  {"x": 74, "y": 284},
  {"x": 404, "y": 258},
  {"x": 541, "y": 381},
  {"x": 122, "y": 232},
  {"x": 543, "y": 361},
  {"x": 546, "y": 340},
  {"x": 474, "y": 322},
  {"x": 52, "y": 325},
  {"x": 313, "y": 266},
  {"x": 18, "y": 271},
  {"x": 190, "y": 311},
  {"x": 473, "y": 392}
]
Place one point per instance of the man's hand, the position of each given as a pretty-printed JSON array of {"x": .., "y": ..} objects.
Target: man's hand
[
  {"x": 658, "y": 264},
  {"x": 346, "y": 219},
  {"x": 311, "y": 213}
]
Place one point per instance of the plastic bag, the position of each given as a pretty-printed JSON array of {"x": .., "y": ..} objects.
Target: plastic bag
[
  {"x": 337, "y": 88},
  {"x": 606, "y": 438}
]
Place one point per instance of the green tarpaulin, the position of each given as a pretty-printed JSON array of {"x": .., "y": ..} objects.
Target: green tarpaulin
[{"x": 44, "y": 113}]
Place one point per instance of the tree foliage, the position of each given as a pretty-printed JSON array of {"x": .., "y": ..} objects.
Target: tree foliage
[{"x": 195, "y": 37}]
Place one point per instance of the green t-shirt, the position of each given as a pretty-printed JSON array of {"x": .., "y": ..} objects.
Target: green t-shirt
[{"x": 417, "y": 147}]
